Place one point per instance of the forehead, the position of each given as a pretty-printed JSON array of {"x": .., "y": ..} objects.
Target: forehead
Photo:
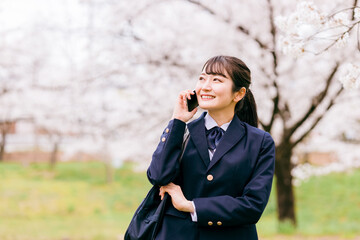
[
  {"x": 215, "y": 68},
  {"x": 225, "y": 75}
]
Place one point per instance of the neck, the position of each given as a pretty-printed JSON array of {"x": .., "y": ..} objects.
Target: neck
[{"x": 221, "y": 117}]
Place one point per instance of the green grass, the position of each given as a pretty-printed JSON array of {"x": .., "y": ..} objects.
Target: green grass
[
  {"x": 325, "y": 206},
  {"x": 75, "y": 202}
]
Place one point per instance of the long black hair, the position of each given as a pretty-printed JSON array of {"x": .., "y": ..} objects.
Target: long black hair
[{"x": 240, "y": 74}]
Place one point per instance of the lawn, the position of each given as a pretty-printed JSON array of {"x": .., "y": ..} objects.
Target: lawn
[
  {"x": 325, "y": 206},
  {"x": 75, "y": 202}
]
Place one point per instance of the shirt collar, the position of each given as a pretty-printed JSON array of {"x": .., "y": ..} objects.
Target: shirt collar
[{"x": 210, "y": 123}]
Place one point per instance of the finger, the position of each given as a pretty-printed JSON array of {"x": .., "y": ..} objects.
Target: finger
[
  {"x": 161, "y": 193},
  {"x": 168, "y": 188},
  {"x": 171, "y": 184},
  {"x": 186, "y": 94},
  {"x": 171, "y": 189},
  {"x": 183, "y": 103},
  {"x": 189, "y": 93},
  {"x": 183, "y": 97},
  {"x": 165, "y": 189}
]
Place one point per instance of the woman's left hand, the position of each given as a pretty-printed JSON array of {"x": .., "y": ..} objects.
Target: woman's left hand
[{"x": 177, "y": 197}]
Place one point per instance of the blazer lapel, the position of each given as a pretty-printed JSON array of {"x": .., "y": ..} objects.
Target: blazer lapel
[
  {"x": 233, "y": 134},
  {"x": 198, "y": 136}
]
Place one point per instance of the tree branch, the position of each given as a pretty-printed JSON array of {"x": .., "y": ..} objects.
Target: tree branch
[
  {"x": 315, "y": 102},
  {"x": 277, "y": 98},
  {"x": 257, "y": 40},
  {"x": 317, "y": 120},
  {"x": 202, "y": 6},
  {"x": 337, "y": 38},
  {"x": 273, "y": 34},
  {"x": 358, "y": 27},
  {"x": 358, "y": 37},
  {"x": 267, "y": 127},
  {"x": 353, "y": 12},
  {"x": 263, "y": 125},
  {"x": 238, "y": 27}
]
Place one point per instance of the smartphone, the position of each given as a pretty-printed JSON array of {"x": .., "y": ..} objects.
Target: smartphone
[{"x": 192, "y": 103}]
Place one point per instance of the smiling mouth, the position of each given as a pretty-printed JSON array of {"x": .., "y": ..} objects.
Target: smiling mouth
[{"x": 207, "y": 97}]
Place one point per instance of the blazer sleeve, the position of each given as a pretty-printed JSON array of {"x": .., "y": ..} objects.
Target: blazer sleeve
[
  {"x": 245, "y": 209},
  {"x": 165, "y": 166}
]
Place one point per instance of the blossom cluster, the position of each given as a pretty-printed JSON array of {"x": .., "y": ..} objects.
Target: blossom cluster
[
  {"x": 310, "y": 30},
  {"x": 350, "y": 78},
  {"x": 299, "y": 27}
]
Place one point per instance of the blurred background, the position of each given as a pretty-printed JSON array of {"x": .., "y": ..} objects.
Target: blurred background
[{"x": 87, "y": 86}]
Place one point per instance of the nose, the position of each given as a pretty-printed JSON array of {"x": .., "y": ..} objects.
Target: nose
[{"x": 206, "y": 85}]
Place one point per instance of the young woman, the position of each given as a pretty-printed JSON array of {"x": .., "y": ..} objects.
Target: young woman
[{"x": 223, "y": 182}]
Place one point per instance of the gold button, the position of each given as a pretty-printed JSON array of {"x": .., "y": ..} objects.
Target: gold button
[
  {"x": 219, "y": 223},
  {"x": 210, "y": 177},
  {"x": 210, "y": 223},
  {"x": 163, "y": 139},
  {"x": 167, "y": 130}
]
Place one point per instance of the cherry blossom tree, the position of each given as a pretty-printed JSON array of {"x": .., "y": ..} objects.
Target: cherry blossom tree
[
  {"x": 309, "y": 30},
  {"x": 14, "y": 63},
  {"x": 112, "y": 70}
]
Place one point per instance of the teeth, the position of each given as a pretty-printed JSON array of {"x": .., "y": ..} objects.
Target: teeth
[{"x": 207, "y": 97}]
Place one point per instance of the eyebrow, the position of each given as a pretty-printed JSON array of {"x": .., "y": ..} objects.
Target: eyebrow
[{"x": 214, "y": 74}]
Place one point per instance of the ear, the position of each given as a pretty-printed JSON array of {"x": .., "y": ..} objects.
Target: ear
[{"x": 239, "y": 94}]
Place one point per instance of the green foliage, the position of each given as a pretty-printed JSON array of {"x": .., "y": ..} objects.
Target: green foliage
[{"x": 75, "y": 202}]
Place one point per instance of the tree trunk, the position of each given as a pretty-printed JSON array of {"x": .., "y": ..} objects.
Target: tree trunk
[
  {"x": 109, "y": 172},
  {"x": 285, "y": 194},
  {"x": 2, "y": 144},
  {"x": 106, "y": 158},
  {"x": 53, "y": 157}
]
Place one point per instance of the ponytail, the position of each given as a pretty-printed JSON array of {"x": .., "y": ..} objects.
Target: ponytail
[{"x": 246, "y": 109}]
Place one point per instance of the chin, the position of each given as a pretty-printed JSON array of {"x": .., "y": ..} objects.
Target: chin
[{"x": 206, "y": 106}]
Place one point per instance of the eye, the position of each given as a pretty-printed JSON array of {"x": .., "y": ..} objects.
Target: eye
[
  {"x": 201, "y": 78},
  {"x": 217, "y": 80}
]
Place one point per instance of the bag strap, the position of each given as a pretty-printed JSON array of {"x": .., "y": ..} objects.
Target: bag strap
[{"x": 185, "y": 142}]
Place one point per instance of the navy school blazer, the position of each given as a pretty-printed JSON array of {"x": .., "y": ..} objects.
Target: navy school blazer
[{"x": 230, "y": 192}]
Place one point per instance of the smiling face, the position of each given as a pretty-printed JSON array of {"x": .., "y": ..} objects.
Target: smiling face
[
  {"x": 215, "y": 92},
  {"x": 222, "y": 85}
]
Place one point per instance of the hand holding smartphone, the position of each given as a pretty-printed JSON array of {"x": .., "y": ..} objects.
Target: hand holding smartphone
[{"x": 192, "y": 103}]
